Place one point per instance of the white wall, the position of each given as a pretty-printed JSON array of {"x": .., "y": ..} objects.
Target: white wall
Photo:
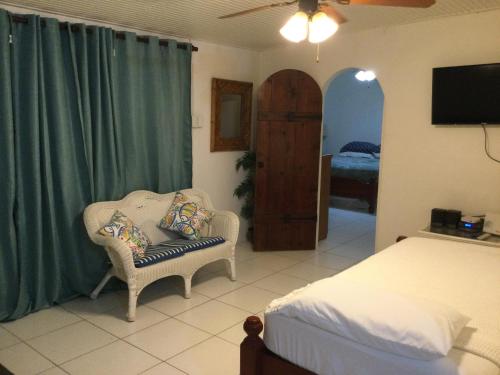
[
  {"x": 213, "y": 172},
  {"x": 422, "y": 166},
  {"x": 352, "y": 111}
]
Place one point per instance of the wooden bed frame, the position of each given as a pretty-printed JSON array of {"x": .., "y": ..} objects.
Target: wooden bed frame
[
  {"x": 351, "y": 188},
  {"x": 256, "y": 359}
]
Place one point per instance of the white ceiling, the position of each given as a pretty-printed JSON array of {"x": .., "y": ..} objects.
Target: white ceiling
[{"x": 197, "y": 19}]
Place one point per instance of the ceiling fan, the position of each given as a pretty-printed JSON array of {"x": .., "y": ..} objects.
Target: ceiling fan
[{"x": 319, "y": 20}]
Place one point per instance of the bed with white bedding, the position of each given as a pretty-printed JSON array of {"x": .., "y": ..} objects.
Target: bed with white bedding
[
  {"x": 323, "y": 352},
  {"x": 463, "y": 277}
]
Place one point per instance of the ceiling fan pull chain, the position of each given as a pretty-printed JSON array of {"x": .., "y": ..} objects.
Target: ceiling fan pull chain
[{"x": 317, "y": 53}]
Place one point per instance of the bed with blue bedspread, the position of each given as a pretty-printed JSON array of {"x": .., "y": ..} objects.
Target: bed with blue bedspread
[
  {"x": 361, "y": 169},
  {"x": 354, "y": 172}
]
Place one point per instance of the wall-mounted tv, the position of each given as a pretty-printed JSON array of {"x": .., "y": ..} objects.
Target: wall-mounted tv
[{"x": 466, "y": 95}]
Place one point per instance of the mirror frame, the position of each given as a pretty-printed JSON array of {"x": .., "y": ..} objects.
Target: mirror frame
[{"x": 222, "y": 87}]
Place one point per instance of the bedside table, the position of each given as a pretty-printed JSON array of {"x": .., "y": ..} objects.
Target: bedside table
[{"x": 447, "y": 234}]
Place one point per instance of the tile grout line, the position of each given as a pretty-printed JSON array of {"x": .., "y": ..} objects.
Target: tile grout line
[
  {"x": 82, "y": 354},
  {"x": 235, "y": 307},
  {"x": 11, "y": 345},
  {"x": 211, "y": 335},
  {"x": 142, "y": 350},
  {"x": 52, "y": 330},
  {"x": 201, "y": 342},
  {"x": 185, "y": 350},
  {"x": 43, "y": 355},
  {"x": 158, "y": 364},
  {"x": 121, "y": 338},
  {"x": 25, "y": 342},
  {"x": 117, "y": 338}
]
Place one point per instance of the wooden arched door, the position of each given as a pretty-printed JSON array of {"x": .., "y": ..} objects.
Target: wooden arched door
[{"x": 288, "y": 157}]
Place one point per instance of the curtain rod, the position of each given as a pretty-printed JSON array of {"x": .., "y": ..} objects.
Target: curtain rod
[{"x": 118, "y": 34}]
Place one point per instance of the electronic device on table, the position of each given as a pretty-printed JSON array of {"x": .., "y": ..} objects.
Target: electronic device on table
[
  {"x": 453, "y": 223},
  {"x": 471, "y": 224},
  {"x": 441, "y": 217}
]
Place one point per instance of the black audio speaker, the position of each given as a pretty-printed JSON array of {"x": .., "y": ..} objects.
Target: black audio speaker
[
  {"x": 438, "y": 217},
  {"x": 452, "y": 218}
]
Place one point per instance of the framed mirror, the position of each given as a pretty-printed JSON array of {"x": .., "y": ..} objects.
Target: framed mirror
[{"x": 231, "y": 115}]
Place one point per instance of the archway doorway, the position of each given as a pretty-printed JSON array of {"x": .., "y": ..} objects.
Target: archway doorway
[{"x": 352, "y": 124}]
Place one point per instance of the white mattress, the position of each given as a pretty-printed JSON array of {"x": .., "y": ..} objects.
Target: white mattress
[
  {"x": 463, "y": 276},
  {"x": 325, "y": 353}
]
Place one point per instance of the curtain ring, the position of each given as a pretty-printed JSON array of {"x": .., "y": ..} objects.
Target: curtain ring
[
  {"x": 113, "y": 37},
  {"x": 11, "y": 22}
]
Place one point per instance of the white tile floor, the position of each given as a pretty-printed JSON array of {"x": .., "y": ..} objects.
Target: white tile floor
[{"x": 173, "y": 335}]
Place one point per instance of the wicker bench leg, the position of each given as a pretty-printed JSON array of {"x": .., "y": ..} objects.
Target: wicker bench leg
[
  {"x": 231, "y": 268},
  {"x": 187, "y": 286},
  {"x": 132, "y": 304},
  {"x": 103, "y": 282}
]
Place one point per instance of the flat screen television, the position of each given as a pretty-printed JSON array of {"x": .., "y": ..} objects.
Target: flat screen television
[{"x": 466, "y": 95}]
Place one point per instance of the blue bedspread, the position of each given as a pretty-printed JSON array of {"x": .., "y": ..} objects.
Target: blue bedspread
[{"x": 361, "y": 169}]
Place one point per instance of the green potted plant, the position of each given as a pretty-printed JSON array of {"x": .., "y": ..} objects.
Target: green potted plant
[{"x": 246, "y": 188}]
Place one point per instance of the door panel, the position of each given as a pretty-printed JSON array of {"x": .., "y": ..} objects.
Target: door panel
[
  {"x": 288, "y": 143},
  {"x": 284, "y": 91},
  {"x": 310, "y": 98},
  {"x": 304, "y": 170},
  {"x": 276, "y": 233}
]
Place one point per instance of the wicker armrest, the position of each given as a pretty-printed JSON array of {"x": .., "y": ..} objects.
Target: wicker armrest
[
  {"x": 225, "y": 224},
  {"x": 120, "y": 255}
]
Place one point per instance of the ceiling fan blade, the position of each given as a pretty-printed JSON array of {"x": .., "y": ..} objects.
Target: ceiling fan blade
[
  {"x": 258, "y": 9},
  {"x": 391, "y": 3},
  {"x": 333, "y": 13}
]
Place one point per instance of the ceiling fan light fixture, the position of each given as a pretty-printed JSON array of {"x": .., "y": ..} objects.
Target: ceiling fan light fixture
[
  {"x": 321, "y": 27},
  {"x": 295, "y": 30}
]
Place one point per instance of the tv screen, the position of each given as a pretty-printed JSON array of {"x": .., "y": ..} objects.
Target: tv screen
[{"x": 466, "y": 95}]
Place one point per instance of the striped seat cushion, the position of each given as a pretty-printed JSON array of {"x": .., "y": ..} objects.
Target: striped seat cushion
[
  {"x": 173, "y": 249},
  {"x": 193, "y": 245}
]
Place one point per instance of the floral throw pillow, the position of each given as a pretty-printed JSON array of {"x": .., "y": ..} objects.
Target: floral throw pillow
[
  {"x": 185, "y": 217},
  {"x": 121, "y": 227}
]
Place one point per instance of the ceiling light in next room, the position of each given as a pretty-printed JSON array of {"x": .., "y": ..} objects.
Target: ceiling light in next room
[{"x": 365, "y": 76}]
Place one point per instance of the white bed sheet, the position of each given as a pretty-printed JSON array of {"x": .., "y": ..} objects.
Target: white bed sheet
[
  {"x": 464, "y": 276},
  {"x": 325, "y": 353}
]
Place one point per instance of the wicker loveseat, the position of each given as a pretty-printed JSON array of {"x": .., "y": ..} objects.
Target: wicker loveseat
[{"x": 146, "y": 209}]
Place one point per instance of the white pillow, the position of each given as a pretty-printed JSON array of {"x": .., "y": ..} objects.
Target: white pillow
[
  {"x": 407, "y": 326},
  {"x": 357, "y": 154}
]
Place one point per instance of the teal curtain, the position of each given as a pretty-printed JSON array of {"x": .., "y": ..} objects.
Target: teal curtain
[{"x": 84, "y": 117}]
